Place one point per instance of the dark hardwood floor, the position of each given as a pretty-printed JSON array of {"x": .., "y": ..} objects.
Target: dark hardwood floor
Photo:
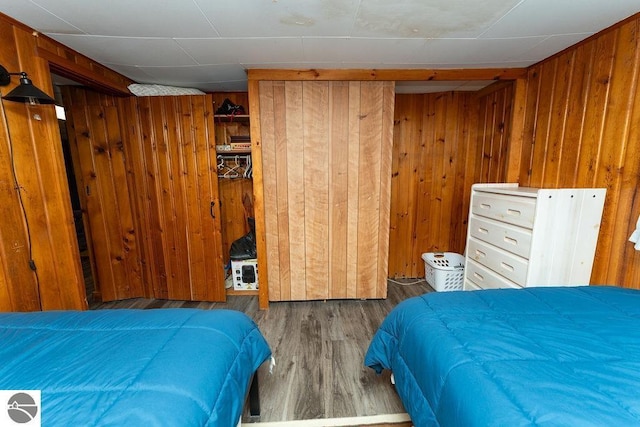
[{"x": 319, "y": 347}]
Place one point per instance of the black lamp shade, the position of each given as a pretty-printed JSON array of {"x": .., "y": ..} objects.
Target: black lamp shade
[{"x": 27, "y": 92}]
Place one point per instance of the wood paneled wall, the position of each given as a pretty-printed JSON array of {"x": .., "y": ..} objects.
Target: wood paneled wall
[
  {"x": 433, "y": 150},
  {"x": 443, "y": 143},
  {"x": 582, "y": 129},
  {"x": 105, "y": 187},
  {"x": 326, "y": 161},
  {"x": 494, "y": 133},
  {"x": 40, "y": 170}
]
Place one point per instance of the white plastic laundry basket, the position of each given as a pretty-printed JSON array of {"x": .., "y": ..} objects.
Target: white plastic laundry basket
[{"x": 444, "y": 271}]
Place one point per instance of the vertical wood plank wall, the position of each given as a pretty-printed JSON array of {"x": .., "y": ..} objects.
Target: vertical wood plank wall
[
  {"x": 432, "y": 135},
  {"x": 443, "y": 143},
  {"x": 582, "y": 129},
  {"x": 40, "y": 170},
  {"x": 173, "y": 159},
  {"x": 326, "y": 160},
  {"x": 106, "y": 193}
]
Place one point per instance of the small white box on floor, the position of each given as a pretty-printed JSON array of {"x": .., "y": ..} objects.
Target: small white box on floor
[{"x": 245, "y": 275}]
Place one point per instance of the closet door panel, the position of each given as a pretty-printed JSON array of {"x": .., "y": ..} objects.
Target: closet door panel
[
  {"x": 315, "y": 118},
  {"x": 295, "y": 190},
  {"x": 272, "y": 194},
  {"x": 338, "y": 188},
  {"x": 331, "y": 140},
  {"x": 184, "y": 207},
  {"x": 353, "y": 185}
]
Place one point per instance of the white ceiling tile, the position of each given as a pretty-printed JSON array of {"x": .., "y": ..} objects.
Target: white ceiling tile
[
  {"x": 197, "y": 73},
  {"x": 281, "y": 18},
  {"x": 127, "y": 51},
  {"x": 550, "y": 46},
  {"x": 428, "y": 18},
  {"x": 549, "y": 17},
  {"x": 232, "y": 50},
  {"x": 133, "y": 72},
  {"x": 468, "y": 52},
  {"x": 38, "y": 18},
  {"x": 139, "y": 18},
  {"x": 381, "y": 51},
  {"x": 174, "y": 41}
]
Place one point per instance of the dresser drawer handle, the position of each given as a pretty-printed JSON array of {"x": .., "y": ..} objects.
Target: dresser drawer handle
[
  {"x": 478, "y": 276},
  {"x": 483, "y": 230},
  {"x": 485, "y": 206},
  {"x": 514, "y": 212},
  {"x": 480, "y": 254},
  {"x": 506, "y": 266},
  {"x": 510, "y": 240}
]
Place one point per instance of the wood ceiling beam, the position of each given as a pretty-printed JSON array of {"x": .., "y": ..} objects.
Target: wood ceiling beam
[{"x": 389, "y": 74}]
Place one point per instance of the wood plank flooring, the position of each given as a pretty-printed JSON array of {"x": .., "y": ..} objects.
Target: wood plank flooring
[{"x": 319, "y": 349}]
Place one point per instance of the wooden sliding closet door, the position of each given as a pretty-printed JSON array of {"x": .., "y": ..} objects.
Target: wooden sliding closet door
[
  {"x": 326, "y": 156},
  {"x": 171, "y": 140}
]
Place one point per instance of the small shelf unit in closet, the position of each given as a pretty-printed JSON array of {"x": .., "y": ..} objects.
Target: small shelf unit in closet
[
  {"x": 235, "y": 172},
  {"x": 521, "y": 237}
]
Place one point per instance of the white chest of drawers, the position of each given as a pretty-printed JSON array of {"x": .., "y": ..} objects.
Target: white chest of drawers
[{"x": 520, "y": 237}]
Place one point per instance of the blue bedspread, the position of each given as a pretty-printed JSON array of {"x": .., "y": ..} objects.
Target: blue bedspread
[
  {"x": 507, "y": 357},
  {"x": 169, "y": 367}
]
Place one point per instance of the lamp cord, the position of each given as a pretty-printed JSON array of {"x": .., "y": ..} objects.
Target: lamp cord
[{"x": 18, "y": 188}]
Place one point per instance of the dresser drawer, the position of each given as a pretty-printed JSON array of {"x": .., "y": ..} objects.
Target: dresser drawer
[
  {"x": 485, "y": 278},
  {"x": 508, "y": 237},
  {"x": 514, "y": 210},
  {"x": 505, "y": 263},
  {"x": 470, "y": 286}
]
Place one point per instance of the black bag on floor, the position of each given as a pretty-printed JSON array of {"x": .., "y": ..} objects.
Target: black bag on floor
[{"x": 245, "y": 247}]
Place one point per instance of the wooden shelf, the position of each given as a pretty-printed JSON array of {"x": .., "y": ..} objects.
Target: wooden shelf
[
  {"x": 240, "y": 118},
  {"x": 234, "y": 292}
]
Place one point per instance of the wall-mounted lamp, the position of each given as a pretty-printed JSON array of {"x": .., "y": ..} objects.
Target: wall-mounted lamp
[{"x": 26, "y": 91}]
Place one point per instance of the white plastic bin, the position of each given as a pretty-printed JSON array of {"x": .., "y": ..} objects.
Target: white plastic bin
[{"x": 444, "y": 271}]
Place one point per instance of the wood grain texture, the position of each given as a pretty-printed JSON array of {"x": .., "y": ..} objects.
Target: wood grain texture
[
  {"x": 94, "y": 132},
  {"x": 338, "y": 187},
  {"x": 319, "y": 349},
  {"x": 258, "y": 191},
  {"x": 315, "y": 164},
  {"x": 296, "y": 245},
  {"x": 581, "y": 131},
  {"x": 178, "y": 160},
  {"x": 323, "y": 168},
  {"x": 386, "y": 74},
  {"x": 39, "y": 165},
  {"x": 434, "y": 165}
]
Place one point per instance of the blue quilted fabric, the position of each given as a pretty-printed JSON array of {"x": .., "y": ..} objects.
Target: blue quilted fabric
[
  {"x": 169, "y": 367},
  {"x": 565, "y": 356}
]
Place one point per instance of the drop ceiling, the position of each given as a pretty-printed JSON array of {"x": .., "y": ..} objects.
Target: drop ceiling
[{"x": 209, "y": 44}]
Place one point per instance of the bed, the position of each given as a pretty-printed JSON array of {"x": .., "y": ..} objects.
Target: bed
[
  {"x": 164, "y": 367},
  {"x": 552, "y": 356}
]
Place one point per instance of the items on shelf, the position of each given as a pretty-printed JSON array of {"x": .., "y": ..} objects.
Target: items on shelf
[
  {"x": 234, "y": 165},
  {"x": 228, "y": 108},
  {"x": 240, "y": 142}
]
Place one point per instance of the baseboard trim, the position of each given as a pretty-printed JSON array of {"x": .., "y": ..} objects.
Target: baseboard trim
[{"x": 371, "y": 420}]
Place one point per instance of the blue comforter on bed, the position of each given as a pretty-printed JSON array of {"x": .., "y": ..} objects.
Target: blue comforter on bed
[
  {"x": 507, "y": 357},
  {"x": 169, "y": 367}
]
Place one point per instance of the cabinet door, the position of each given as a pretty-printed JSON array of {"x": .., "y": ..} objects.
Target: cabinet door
[
  {"x": 174, "y": 161},
  {"x": 326, "y": 162}
]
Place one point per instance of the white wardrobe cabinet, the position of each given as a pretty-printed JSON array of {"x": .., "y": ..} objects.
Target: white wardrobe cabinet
[{"x": 520, "y": 237}]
